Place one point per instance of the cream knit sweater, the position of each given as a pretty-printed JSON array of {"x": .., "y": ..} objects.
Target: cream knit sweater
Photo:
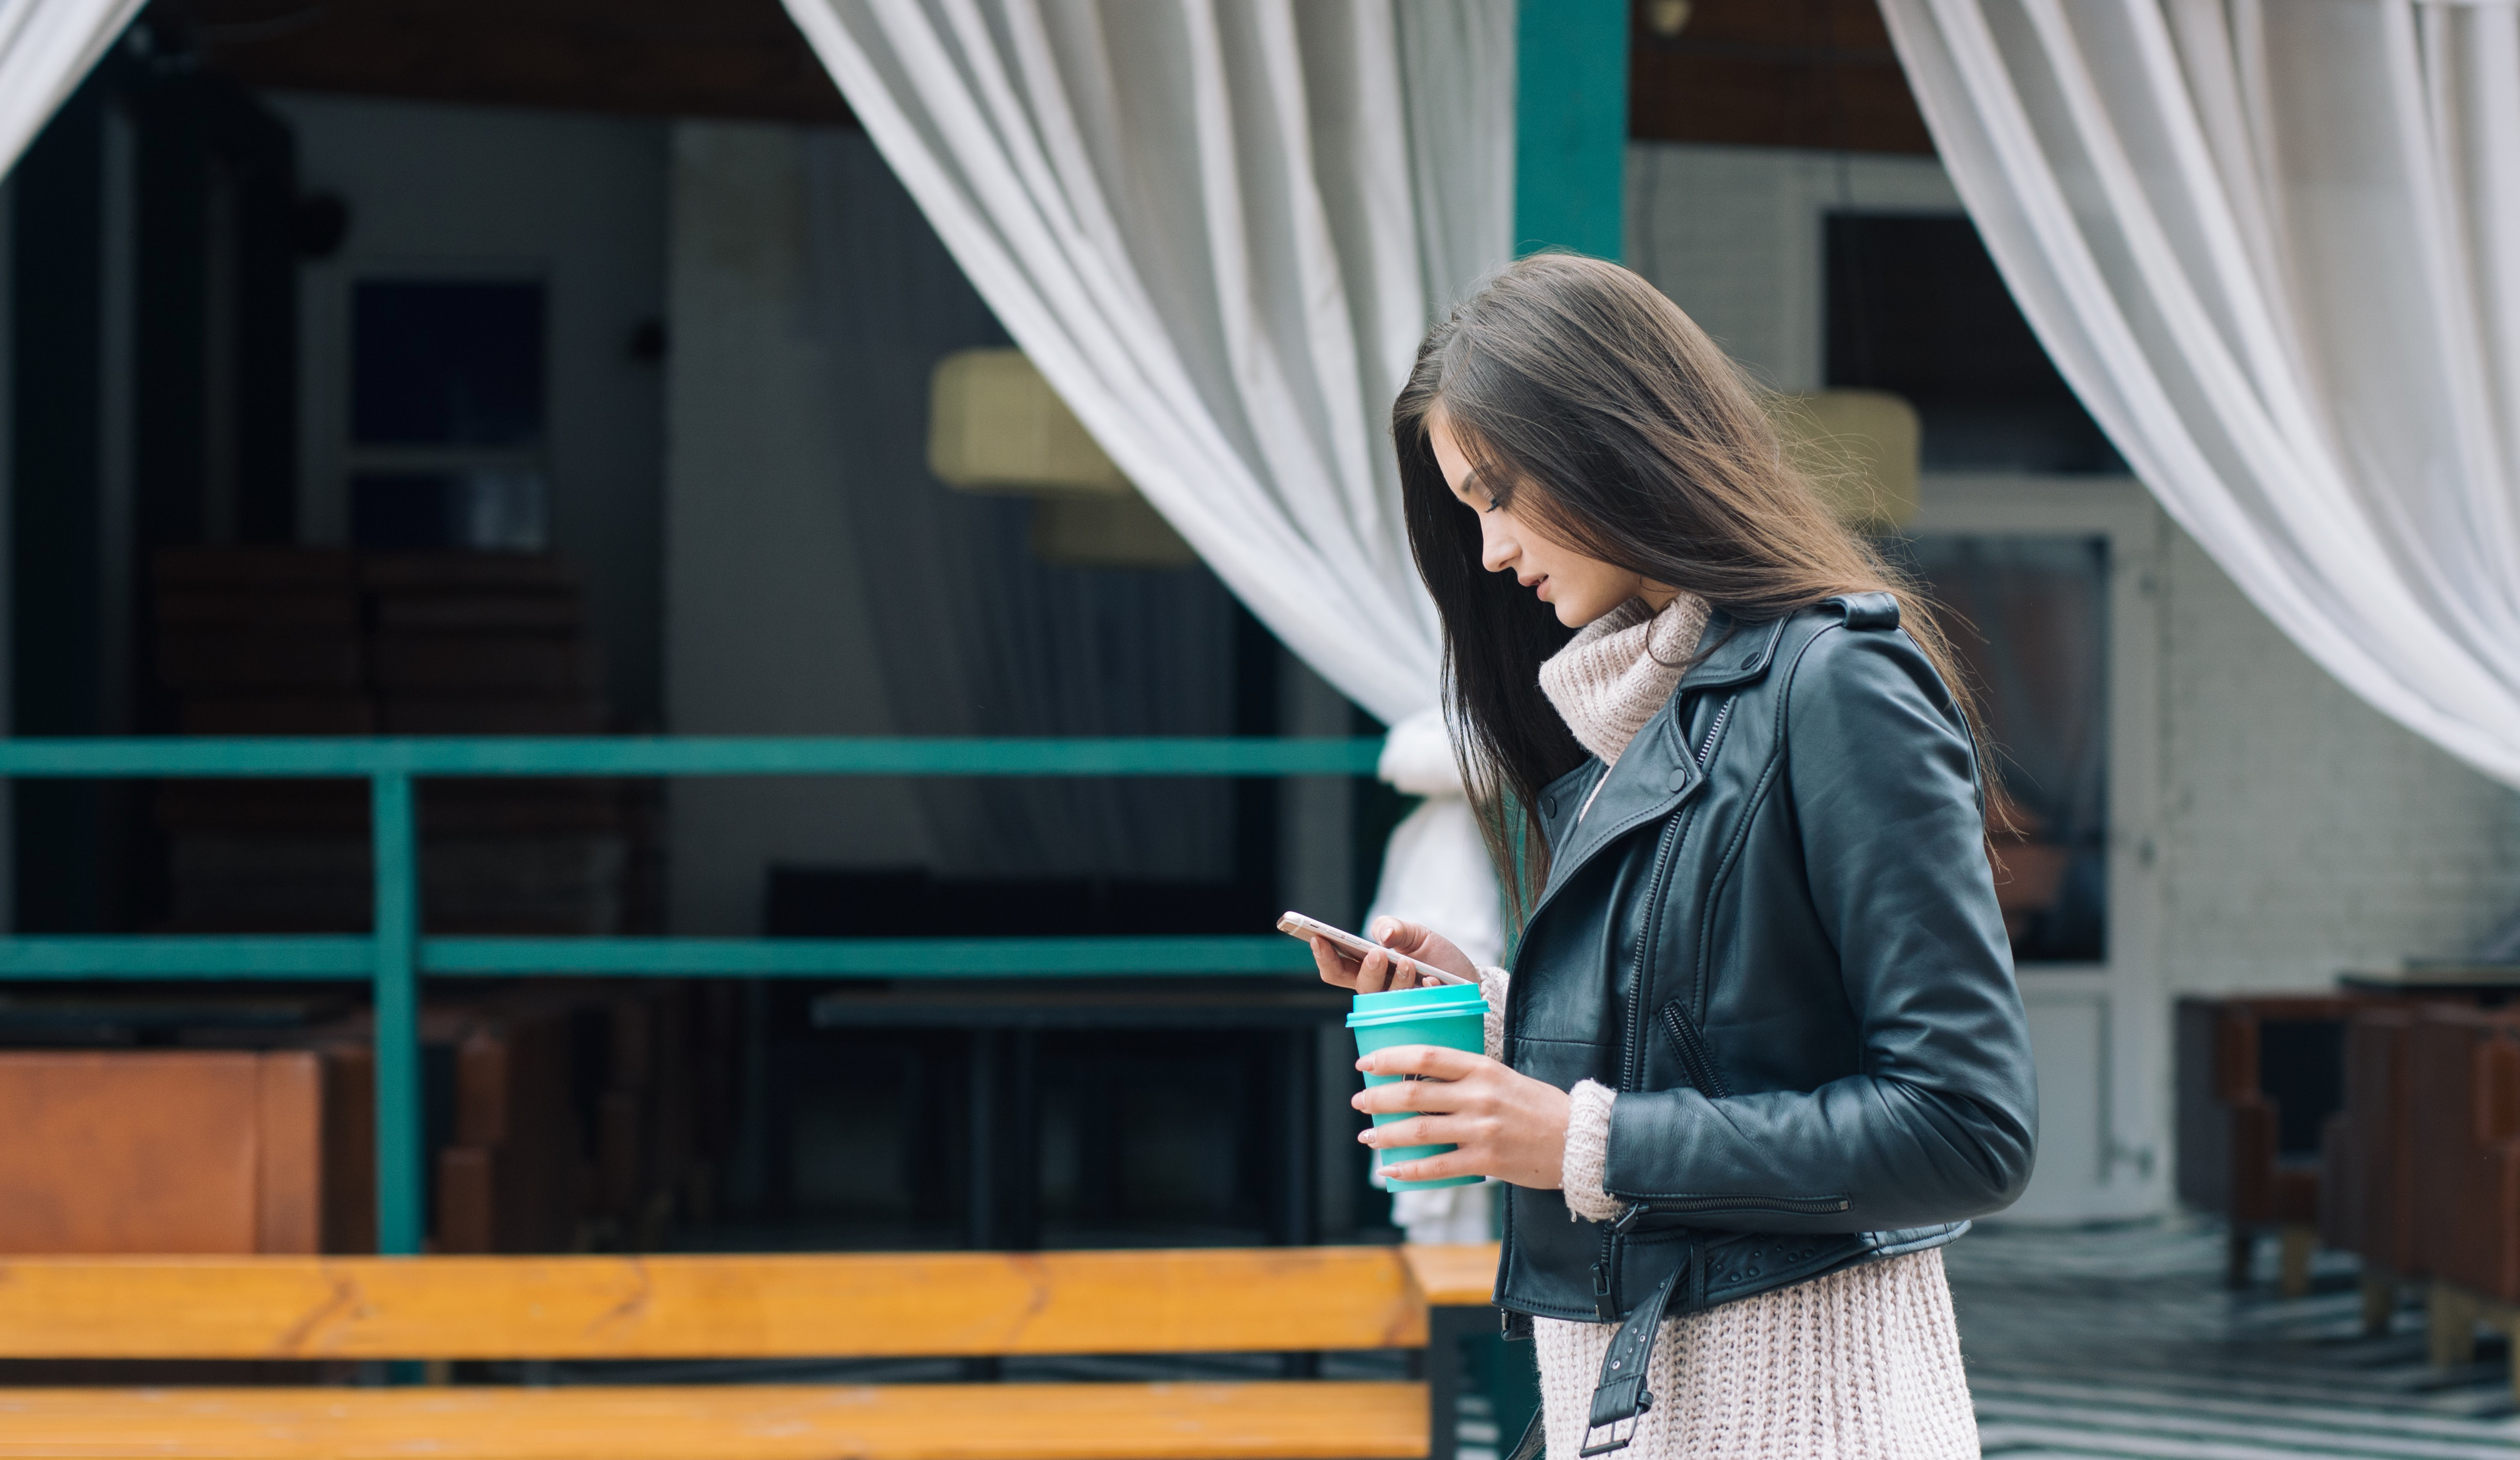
[{"x": 1863, "y": 1362}]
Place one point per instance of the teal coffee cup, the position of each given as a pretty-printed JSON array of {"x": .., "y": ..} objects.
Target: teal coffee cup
[{"x": 1452, "y": 1015}]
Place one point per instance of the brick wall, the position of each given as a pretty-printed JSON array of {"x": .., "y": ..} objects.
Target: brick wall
[{"x": 2303, "y": 831}]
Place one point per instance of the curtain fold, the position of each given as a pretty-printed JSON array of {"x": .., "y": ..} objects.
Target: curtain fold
[
  {"x": 974, "y": 634},
  {"x": 1219, "y": 228},
  {"x": 47, "y": 48},
  {"x": 2275, "y": 249}
]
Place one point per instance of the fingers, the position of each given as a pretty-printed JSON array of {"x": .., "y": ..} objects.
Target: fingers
[
  {"x": 1422, "y": 1130},
  {"x": 1432, "y": 1061},
  {"x": 1434, "y": 1168},
  {"x": 1423, "y": 944},
  {"x": 1337, "y": 968},
  {"x": 1410, "y": 939},
  {"x": 1380, "y": 972},
  {"x": 1439, "y": 1095},
  {"x": 1392, "y": 931}
]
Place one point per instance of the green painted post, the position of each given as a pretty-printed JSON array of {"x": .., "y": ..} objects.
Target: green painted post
[
  {"x": 399, "y": 1227},
  {"x": 1570, "y": 128}
]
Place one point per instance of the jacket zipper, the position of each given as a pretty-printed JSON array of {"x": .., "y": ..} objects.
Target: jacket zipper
[
  {"x": 1605, "y": 1267},
  {"x": 1632, "y": 1071},
  {"x": 1715, "y": 728},
  {"x": 1807, "y": 1206},
  {"x": 1631, "y": 1068},
  {"x": 1691, "y": 1048}
]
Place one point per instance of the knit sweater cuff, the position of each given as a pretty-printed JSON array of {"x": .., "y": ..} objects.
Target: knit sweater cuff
[
  {"x": 1492, "y": 982},
  {"x": 1588, "y": 1152}
]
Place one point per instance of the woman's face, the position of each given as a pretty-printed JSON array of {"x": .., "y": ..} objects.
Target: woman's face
[{"x": 1581, "y": 589}]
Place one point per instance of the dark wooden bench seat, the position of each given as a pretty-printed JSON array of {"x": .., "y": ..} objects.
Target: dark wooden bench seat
[{"x": 832, "y": 1306}]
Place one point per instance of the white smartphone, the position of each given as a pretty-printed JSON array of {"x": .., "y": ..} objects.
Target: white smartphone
[{"x": 1297, "y": 925}]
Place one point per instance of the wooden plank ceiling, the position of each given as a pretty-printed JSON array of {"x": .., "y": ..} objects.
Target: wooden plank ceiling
[
  {"x": 668, "y": 58},
  {"x": 1811, "y": 74},
  {"x": 1816, "y": 73}
]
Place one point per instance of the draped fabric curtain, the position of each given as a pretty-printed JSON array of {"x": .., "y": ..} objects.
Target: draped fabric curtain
[
  {"x": 1219, "y": 228},
  {"x": 974, "y": 634},
  {"x": 2275, "y": 249},
  {"x": 47, "y": 47}
]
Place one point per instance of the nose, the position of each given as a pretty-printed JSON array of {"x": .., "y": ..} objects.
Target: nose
[{"x": 1496, "y": 548}]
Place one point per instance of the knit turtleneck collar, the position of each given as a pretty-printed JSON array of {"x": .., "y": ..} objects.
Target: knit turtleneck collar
[{"x": 1620, "y": 668}]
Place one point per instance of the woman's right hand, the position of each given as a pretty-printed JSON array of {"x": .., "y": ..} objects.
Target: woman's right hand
[{"x": 1379, "y": 972}]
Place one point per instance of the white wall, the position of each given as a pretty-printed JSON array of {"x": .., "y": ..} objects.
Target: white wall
[
  {"x": 2303, "y": 832},
  {"x": 1732, "y": 235},
  {"x": 766, "y": 628},
  {"x": 574, "y": 199},
  {"x": 2306, "y": 833}
]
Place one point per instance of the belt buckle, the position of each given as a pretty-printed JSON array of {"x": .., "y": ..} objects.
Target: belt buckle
[{"x": 1620, "y": 1438}]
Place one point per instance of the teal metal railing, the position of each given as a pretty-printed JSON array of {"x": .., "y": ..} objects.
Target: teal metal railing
[{"x": 396, "y": 954}]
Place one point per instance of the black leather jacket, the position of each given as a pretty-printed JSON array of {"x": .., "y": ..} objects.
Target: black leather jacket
[{"x": 1774, "y": 932}]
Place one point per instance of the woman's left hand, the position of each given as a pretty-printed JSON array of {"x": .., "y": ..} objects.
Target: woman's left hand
[{"x": 1508, "y": 1125}]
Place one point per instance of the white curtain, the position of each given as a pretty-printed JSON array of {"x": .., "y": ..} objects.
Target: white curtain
[
  {"x": 47, "y": 47},
  {"x": 2275, "y": 245},
  {"x": 974, "y": 634},
  {"x": 1219, "y": 227}
]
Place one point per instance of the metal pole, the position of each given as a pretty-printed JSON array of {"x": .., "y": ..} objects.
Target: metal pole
[
  {"x": 1570, "y": 125},
  {"x": 399, "y": 1223},
  {"x": 983, "y": 1230}
]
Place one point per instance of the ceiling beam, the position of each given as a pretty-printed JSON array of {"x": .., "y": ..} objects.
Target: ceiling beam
[
  {"x": 1808, "y": 74},
  {"x": 668, "y": 58}
]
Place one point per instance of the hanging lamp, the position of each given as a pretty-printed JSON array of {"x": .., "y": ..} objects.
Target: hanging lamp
[
  {"x": 1859, "y": 448},
  {"x": 994, "y": 427}
]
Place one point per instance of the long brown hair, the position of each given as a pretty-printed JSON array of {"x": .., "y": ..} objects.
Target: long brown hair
[{"x": 1611, "y": 421}]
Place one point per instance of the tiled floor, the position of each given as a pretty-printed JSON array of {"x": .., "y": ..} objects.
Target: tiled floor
[{"x": 2123, "y": 1341}]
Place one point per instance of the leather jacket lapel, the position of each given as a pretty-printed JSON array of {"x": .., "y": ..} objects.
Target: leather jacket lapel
[
  {"x": 1652, "y": 778},
  {"x": 1658, "y": 771}
]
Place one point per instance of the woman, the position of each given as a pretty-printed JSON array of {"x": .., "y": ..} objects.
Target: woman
[{"x": 1761, "y": 1053}]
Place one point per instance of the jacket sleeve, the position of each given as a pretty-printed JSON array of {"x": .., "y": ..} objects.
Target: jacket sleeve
[{"x": 1939, "y": 1122}]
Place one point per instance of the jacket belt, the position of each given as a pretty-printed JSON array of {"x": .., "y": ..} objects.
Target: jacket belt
[{"x": 1621, "y": 1396}]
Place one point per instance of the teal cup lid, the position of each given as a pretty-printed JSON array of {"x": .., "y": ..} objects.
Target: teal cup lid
[{"x": 1424, "y": 1001}]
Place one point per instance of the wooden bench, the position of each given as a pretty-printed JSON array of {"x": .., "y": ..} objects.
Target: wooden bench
[{"x": 967, "y": 1304}]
